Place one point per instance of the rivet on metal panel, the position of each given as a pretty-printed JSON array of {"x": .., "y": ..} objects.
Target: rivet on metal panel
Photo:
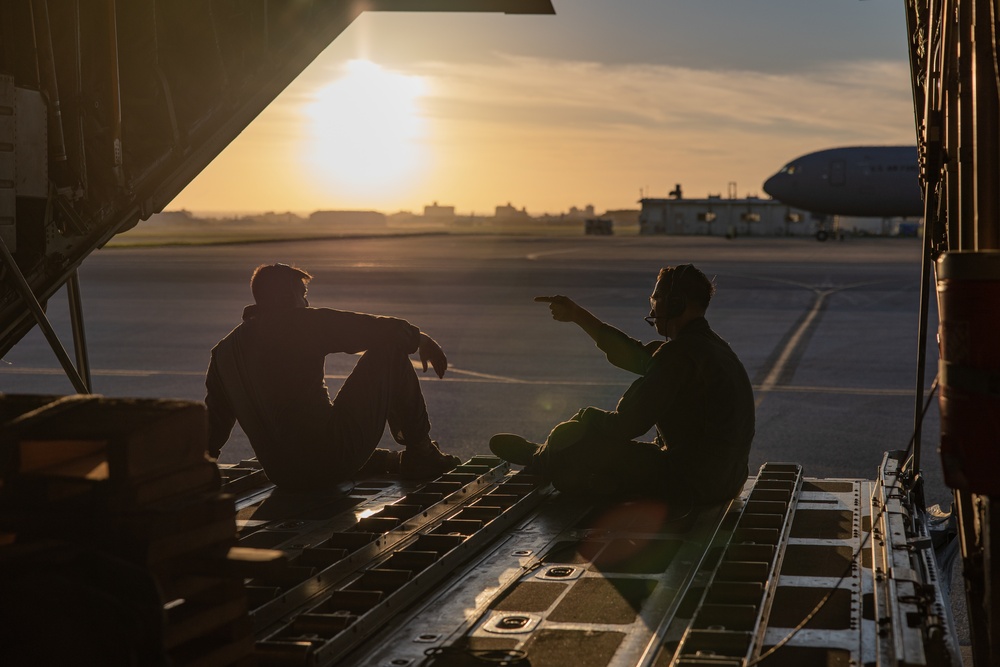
[
  {"x": 427, "y": 638},
  {"x": 521, "y": 553},
  {"x": 559, "y": 571},
  {"x": 512, "y": 622}
]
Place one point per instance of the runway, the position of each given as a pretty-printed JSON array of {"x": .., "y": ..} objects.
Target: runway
[{"x": 827, "y": 331}]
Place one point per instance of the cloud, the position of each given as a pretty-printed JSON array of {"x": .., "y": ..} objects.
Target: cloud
[
  {"x": 852, "y": 99},
  {"x": 551, "y": 133},
  {"x": 625, "y": 126}
]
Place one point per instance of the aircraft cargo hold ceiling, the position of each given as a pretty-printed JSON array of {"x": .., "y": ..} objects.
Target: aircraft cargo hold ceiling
[{"x": 109, "y": 109}]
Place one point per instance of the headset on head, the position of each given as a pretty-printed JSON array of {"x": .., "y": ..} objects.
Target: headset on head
[{"x": 676, "y": 302}]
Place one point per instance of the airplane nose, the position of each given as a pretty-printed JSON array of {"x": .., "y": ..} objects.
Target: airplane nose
[{"x": 777, "y": 186}]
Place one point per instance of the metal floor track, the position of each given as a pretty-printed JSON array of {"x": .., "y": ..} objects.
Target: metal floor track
[{"x": 488, "y": 566}]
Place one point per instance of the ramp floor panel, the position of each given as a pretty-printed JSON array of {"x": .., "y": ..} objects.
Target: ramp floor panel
[{"x": 484, "y": 565}]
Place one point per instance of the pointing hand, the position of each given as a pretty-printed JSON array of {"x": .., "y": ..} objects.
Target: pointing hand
[{"x": 563, "y": 308}]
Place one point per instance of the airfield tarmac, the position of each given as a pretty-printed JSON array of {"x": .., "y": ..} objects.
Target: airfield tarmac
[{"x": 827, "y": 331}]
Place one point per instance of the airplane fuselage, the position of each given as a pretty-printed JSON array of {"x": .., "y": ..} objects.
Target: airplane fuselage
[{"x": 864, "y": 181}]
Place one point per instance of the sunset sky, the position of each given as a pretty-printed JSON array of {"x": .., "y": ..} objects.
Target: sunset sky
[{"x": 595, "y": 105}]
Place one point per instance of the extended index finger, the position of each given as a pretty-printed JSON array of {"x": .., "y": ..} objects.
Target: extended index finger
[{"x": 547, "y": 299}]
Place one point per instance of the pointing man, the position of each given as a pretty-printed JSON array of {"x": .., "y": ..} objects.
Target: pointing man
[{"x": 691, "y": 386}]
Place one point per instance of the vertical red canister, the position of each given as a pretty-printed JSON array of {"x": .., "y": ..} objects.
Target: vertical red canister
[{"x": 968, "y": 288}]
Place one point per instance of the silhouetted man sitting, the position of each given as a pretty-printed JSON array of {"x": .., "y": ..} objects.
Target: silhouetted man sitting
[
  {"x": 692, "y": 388},
  {"x": 268, "y": 374}
]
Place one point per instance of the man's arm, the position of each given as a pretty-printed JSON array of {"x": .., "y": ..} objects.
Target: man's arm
[
  {"x": 346, "y": 331},
  {"x": 431, "y": 352},
  {"x": 221, "y": 417},
  {"x": 350, "y": 332},
  {"x": 644, "y": 403},
  {"x": 621, "y": 349}
]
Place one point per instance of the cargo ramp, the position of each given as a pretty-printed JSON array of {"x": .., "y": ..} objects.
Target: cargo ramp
[
  {"x": 486, "y": 566},
  {"x": 483, "y": 565}
]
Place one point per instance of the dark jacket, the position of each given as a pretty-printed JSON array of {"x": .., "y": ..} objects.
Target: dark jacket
[
  {"x": 268, "y": 373},
  {"x": 697, "y": 394}
]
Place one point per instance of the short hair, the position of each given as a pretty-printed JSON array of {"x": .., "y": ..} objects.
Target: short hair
[
  {"x": 694, "y": 285},
  {"x": 272, "y": 284}
]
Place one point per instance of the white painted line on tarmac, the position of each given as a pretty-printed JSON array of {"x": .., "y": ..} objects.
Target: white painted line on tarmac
[
  {"x": 855, "y": 391},
  {"x": 483, "y": 378},
  {"x": 770, "y": 383},
  {"x": 772, "y": 378},
  {"x": 486, "y": 376},
  {"x": 536, "y": 255}
]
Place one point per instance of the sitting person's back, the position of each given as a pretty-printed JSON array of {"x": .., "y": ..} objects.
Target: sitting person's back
[{"x": 268, "y": 374}]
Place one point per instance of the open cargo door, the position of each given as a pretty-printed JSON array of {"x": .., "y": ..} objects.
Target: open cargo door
[{"x": 109, "y": 109}]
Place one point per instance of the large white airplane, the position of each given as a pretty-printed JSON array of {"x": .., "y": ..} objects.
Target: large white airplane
[{"x": 863, "y": 181}]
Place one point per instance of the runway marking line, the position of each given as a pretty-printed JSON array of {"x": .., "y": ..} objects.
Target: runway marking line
[
  {"x": 484, "y": 378},
  {"x": 771, "y": 381},
  {"x": 536, "y": 255}
]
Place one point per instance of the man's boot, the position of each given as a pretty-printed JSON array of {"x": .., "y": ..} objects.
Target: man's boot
[
  {"x": 514, "y": 449},
  {"x": 424, "y": 460}
]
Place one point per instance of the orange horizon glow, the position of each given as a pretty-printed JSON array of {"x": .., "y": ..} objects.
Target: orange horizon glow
[{"x": 540, "y": 133}]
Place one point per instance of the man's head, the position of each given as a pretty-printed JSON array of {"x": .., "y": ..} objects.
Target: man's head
[
  {"x": 682, "y": 293},
  {"x": 279, "y": 285}
]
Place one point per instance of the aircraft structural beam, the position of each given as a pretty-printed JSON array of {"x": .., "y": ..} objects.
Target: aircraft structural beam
[
  {"x": 27, "y": 296},
  {"x": 79, "y": 334}
]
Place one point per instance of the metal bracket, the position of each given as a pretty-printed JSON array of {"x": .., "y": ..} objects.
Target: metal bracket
[{"x": 81, "y": 385}]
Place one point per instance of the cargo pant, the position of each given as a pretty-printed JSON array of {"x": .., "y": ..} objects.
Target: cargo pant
[
  {"x": 577, "y": 460},
  {"x": 382, "y": 389},
  {"x": 309, "y": 451}
]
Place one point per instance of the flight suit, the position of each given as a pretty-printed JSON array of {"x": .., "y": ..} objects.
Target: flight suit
[
  {"x": 697, "y": 394},
  {"x": 268, "y": 374}
]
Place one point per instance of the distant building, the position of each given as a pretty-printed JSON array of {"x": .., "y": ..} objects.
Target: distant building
[
  {"x": 402, "y": 218},
  {"x": 358, "y": 218},
  {"x": 181, "y": 217},
  {"x": 275, "y": 218},
  {"x": 715, "y": 216},
  {"x": 509, "y": 212},
  {"x": 439, "y": 213},
  {"x": 585, "y": 212}
]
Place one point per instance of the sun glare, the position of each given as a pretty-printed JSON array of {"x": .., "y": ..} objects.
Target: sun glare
[{"x": 365, "y": 130}]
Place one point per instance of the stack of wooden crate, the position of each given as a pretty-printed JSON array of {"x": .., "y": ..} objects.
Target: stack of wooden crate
[{"x": 129, "y": 478}]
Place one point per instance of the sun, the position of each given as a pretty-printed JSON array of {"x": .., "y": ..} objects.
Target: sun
[{"x": 365, "y": 130}]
